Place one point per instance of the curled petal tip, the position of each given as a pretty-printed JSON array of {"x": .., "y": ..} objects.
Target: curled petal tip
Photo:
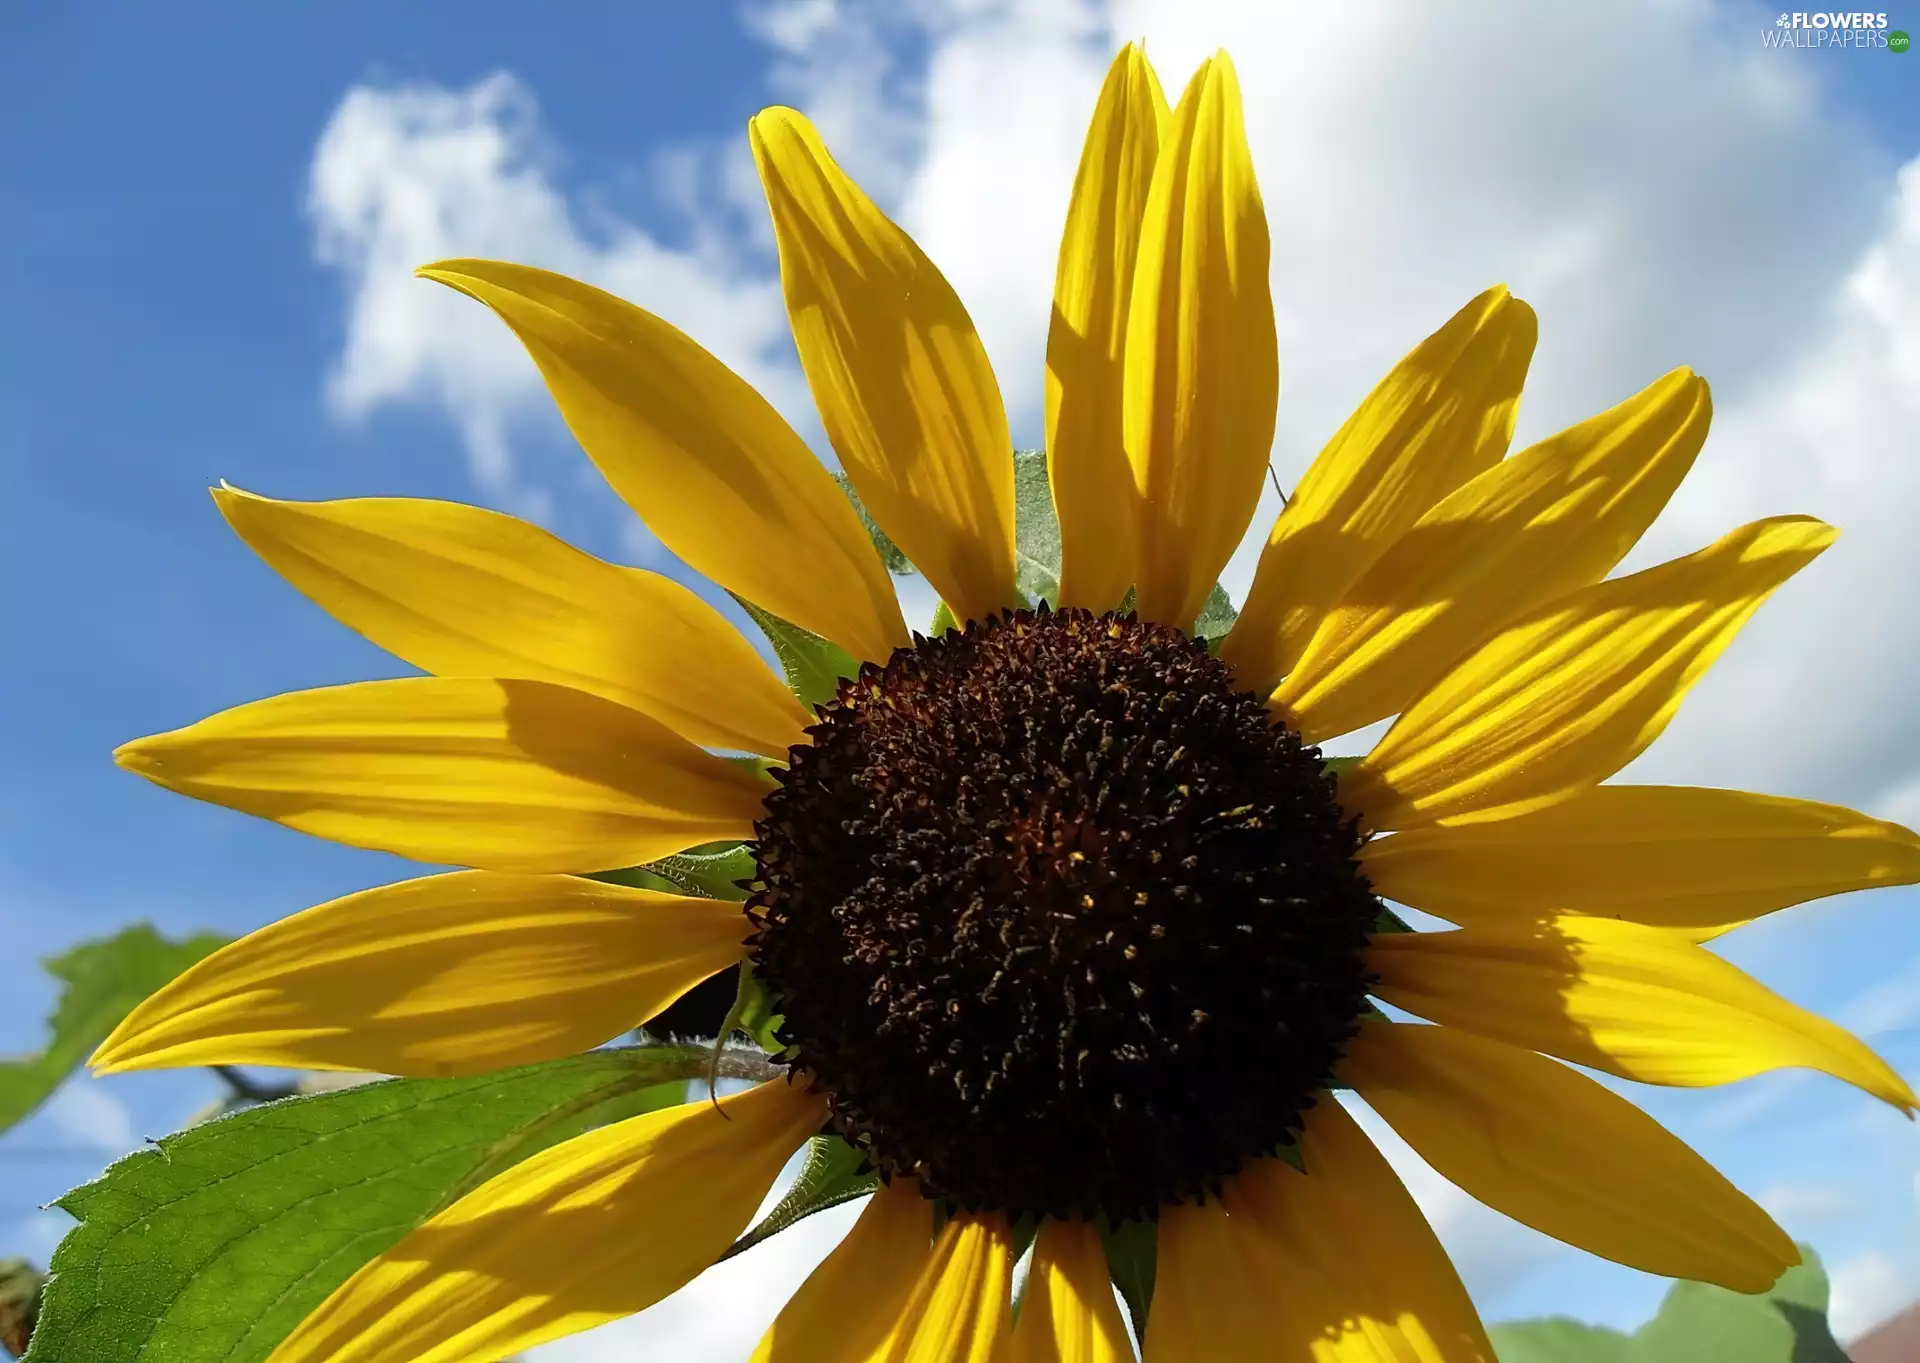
[
  {"x": 133, "y": 756},
  {"x": 454, "y": 273},
  {"x": 775, "y": 116}
]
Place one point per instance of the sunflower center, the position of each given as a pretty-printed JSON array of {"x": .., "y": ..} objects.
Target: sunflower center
[{"x": 1060, "y": 921}]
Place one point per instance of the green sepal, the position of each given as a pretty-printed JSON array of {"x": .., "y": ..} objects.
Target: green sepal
[
  {"x": 832, "y": 1173},
  {"x": 711, "y": 871},
  {"x": 896, "y": 562},
  {"x": 757, "y": 1017},
  {"x": 640, "y": 878},
  {"x": 1036, "y": 529},
  {"x": 1696, "y": 1323},
  {"x": 1561, "y": 1340},
  {"x": 814, "y": 666},
  {"x": 101, "y": 983},
  {"x": 750, "y": 1013},
  {"x": 1132, "y": 1255},
  {"x": 1216, "y": 618},
  {"x": 943, "y": 621},
  {"x": 759, "y": 766},
  {"x": 1036, "y": 539},
  {"x": 213, "y": 1245},
  {"x": 1021, "y": 1234},
  {"x": 1389, "y": 921}
]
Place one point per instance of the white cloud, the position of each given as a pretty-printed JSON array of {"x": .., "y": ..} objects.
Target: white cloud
[
  {"x": 1408, "y": 157},
  {"x": 1816, "y": 696},
  {"x": 840, "y": 61},
  {"x": 1800, "y": 1204},
  {"x": 1890, "y": 1005},
  {"x": 1008, "y": 92},
  {"x": 403, "y": 176},
  {"x": 1866, "y": 1290},
  {"x": 35, "y": 1237},
  {"x": 1679, "y": 194},
  {"x": 84, "y": 1110},
  {"x": 1411, "y": 156}
]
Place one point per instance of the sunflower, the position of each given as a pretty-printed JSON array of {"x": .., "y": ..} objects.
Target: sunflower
[{"x": 1070, "y": 926}]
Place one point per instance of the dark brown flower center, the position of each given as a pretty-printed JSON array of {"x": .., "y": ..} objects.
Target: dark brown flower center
[{"x": 1059, "y": 921}]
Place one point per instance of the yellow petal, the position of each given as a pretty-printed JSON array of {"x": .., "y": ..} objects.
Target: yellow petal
[
  {"x": 1336, "y": 1265},
  {"x": 1086, "y": 344},
  {"x": 1068, "y": 1314},
  {"x": 960, "y": 1309},
  {"x": 1351, "y": 1266},
  {"x": 702, "y": 458},
  {"x": 503, "y": 775},
  {"x": 596, "y": 1228},
  {"x": 1444, "y": 415},
  {"x": 848, "y": 1308},
  {"x": 1202, "y": 365},
  {"x": 898, "y": 373},
  {"x": 1553, "y": 1149},
  {"x": 462, "y": 592},
  {"x": 1555, "y": 517},
  {"x": 452, "y": 974},
  {"x": 1685, "y": 857},
  {"x": 1567, "y": 695},
  {"x": 1207, "y": 1301},
  {"x": 1639, "y": 1002}
]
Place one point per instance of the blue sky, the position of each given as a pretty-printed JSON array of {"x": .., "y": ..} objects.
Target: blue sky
[{"x": 189, "y": 300}]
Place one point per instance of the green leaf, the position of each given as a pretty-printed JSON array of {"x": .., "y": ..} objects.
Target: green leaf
[
  {"x": 1559, "y": 1340},
  {"x": 218, "y": 1242},
  {"x": 814, "y": 666},
  {"x": 897, "y": 563},
  {"x": 1696, "y": 1323},
  {"x": 831, "y": 1175},
  {"x": 1132, "y": 1255},
  {"x": 103, "y": 981},
  {"x": 1216, "y": 616},
  {"x": 1036, "y": 529}
]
